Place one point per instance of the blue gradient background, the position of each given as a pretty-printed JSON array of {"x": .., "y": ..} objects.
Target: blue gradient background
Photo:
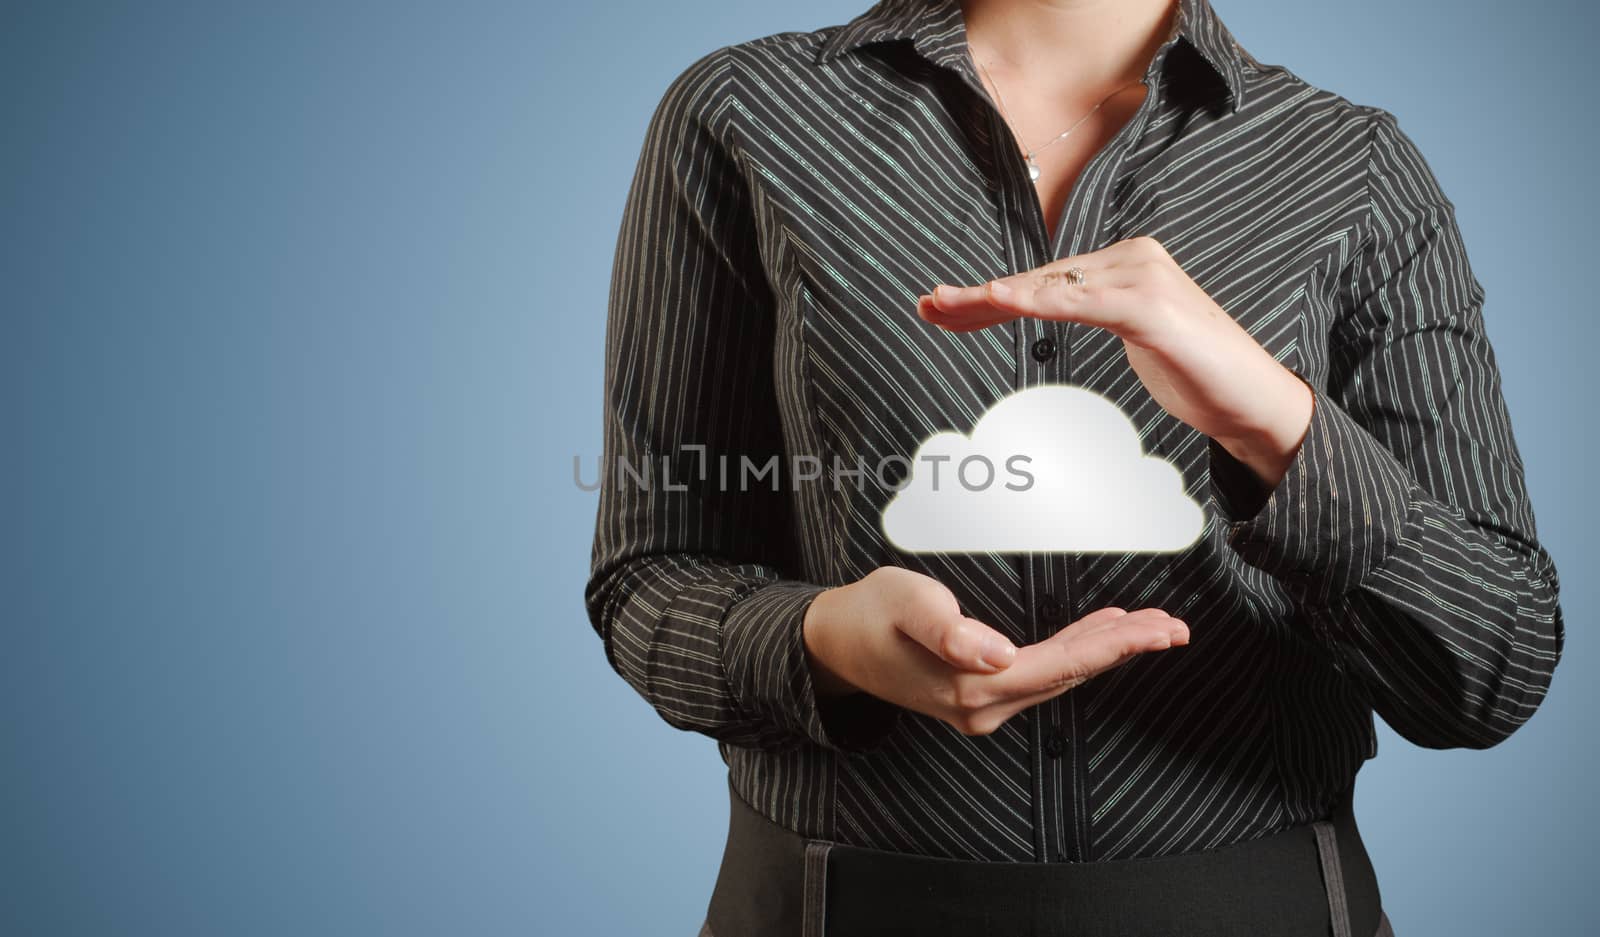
[{"x": 303, "y": 308}]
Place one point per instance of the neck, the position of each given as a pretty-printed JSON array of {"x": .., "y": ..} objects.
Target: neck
[{"x": 1069, "y": 43}]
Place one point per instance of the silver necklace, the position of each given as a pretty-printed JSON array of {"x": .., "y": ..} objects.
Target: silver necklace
[{"x": 1033, "y": 165}]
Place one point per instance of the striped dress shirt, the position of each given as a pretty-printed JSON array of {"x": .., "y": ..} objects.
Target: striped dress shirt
[{"x": 795, "y": 194}]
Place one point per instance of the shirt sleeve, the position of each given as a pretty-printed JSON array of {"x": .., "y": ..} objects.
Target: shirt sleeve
[
  {"x": 1403, "y": 525},
  {"x": 688, "y": 585}
]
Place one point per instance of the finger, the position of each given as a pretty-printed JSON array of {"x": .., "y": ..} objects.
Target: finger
[
  {"x": 1010, "y": 707},
  {"x": 1070, "y": 657},
  {"x": 1097, "y": 303},
  {"x": 1098, "y": 618},
  {"x": 1094, "y": 621},
  {"x": 979, "y": 299},
  {"x": 1001, "y": 711},
  {"x": 1114, "y": 306},
  {"x": 962, "y": 642},
  {"x": 1106, "y": 258},
  {"x": 1097, "y": 266},
  {"x": 1152, "y": 643},
  {"x": 1092, "y": 652},
  {"x": 984, "y": 687},
  {"x": 1052, "y": 275},
  {"x": 929, "y": 310},
  {"x": 1117, "y": 277},
  {"x": 931, "y": 313},
  {"x": 943, "y": 308},
  {"x": 1151, "y": 622}
]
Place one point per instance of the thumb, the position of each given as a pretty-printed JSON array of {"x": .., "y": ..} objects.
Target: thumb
[{"x": 962, "y": 641}]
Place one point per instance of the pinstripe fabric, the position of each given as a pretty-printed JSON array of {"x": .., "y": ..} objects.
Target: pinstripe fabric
[{"x": 793, "y": 196}]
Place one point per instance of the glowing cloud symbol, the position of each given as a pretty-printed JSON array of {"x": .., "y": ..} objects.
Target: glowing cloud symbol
[{"x": 1053, "y": 468}]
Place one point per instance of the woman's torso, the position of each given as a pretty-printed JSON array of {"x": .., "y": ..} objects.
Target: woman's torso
[{"x": 878, "y": 170}]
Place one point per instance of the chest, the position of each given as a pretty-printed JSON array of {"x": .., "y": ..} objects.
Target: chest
[
  {"x": 1063, "y": 138},
  {"x": 925, "y": 186}
]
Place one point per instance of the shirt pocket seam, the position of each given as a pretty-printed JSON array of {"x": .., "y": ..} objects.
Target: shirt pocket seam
[{"x": 805, "y": 305}]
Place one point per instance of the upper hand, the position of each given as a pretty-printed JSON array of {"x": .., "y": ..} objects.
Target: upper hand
[{"x": 1194, "y": 358}]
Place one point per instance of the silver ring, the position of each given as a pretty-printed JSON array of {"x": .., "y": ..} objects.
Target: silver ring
[{"x": 1073, "y": 275}]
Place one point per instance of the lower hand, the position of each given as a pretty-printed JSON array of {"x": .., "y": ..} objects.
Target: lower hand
[{"x": 900, "y": 636}]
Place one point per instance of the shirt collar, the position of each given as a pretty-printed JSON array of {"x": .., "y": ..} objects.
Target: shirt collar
[{"x": 937, "y": 29}]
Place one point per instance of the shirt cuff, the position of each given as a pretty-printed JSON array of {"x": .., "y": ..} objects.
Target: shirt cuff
[
  {"x": 763, "y": 648},
  {"x": 1342, "y": 507}
]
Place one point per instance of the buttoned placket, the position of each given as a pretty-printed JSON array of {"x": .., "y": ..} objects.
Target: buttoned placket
[{"x": 1060, "y": 788}]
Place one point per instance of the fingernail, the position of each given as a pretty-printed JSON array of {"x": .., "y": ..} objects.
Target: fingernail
[
  {"x": 997, "y": 651},
  {"x": 999, "y": 290}
]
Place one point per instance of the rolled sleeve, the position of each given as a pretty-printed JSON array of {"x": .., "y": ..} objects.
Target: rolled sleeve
[
  {"x": 1335, "y": 516},
  {"x": 764, "y": 651}
]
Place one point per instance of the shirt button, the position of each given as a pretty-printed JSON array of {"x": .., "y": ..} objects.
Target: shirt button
[
  {"x": 1055, "y": 742},
  {"x": 1044, "y": 349},
  {"x": 1050, "y": 610}
]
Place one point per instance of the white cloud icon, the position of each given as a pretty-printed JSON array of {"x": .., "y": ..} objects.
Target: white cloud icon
[{"x": 1054, "y": 468}]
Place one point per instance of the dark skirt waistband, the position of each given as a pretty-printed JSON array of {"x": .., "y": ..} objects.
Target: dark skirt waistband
[{"x": 1313, "y": 880}]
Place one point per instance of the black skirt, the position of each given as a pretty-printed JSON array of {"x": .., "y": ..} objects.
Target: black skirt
[{"x": 1314, "y": 880}]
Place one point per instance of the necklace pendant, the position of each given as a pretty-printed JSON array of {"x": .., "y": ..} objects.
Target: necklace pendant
[{"x": 1033, "y": 169}]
